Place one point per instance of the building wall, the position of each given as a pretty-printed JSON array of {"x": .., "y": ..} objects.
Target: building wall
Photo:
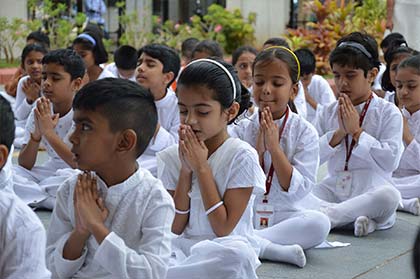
[
  {"x": 14, "y": 8},
  {"x": 272, "y": 16}
]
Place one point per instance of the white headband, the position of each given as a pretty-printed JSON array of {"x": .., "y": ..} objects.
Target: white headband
[{"x": 220, "y": 66}]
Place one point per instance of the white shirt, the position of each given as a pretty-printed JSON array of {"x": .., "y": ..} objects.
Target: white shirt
[
  {"x": 168, "y": 113},
  {"x": 22, "y": 240},
  {"x": 106, "y": 74},
  {"x": 300, "y": 101},
  {"x": 377, "y": 84},
  {"x": 112, "y": 68},
  {"x": 140, "y": 219},
  {"x": 299, "y": 142},
  {"x": 375, "y": 156},
  {"x": 6, "y": 174},
  {"x": 321, "y": 91},
  {"x": 22, "y": 108},
  {"x": 410, "y": 160}
]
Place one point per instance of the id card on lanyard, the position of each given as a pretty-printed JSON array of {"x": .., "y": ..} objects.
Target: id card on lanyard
[
  {"x": 264, "y": 212},
  {"x": 344, "y": 178}
]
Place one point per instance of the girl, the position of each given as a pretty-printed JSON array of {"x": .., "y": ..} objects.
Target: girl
[
  {"x": 288, "y": 151},
  {"x": 212, "y": 179},
  {"x": 407, "y": 176},
  {"x": 29, "y": 87},
  {"x": 90, "y": 47},
  {"x": 360, "y": 138}
]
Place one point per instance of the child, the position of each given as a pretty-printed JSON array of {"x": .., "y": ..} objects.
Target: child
[
  {"x": 22, "y": 237},
  {"x": 125, "y": 63},
  {"x": 187, "y": 49},
  {"x": 116, "y": 223},
  {"x": 407, "y": 177},
  {"x": 158, "y": 67},
  {"x": 242, "y": 59},
  {"x": 28, "y": 88},
  {"x": 360, "y": 138},
  {"x": 212, "y": 179},
  {"x": 288, "y": 151},
  {"x": 49, "y": 123},
  {"x": 207, "y": 48},
  {"x": 317, "y": 90},
  {"x": 275, "y": 41},
  {"x": 90, "y": 47}
]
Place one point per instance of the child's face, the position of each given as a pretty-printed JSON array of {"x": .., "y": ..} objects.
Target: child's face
[
  {"x": 93, "y": 141},
  {"x": 408, "y": 88},
  {"x": 199, "y": 110},
  {"x": 394, "y": 66},
  {"x": 33, "y": 65},
  {"x": 273, "y": 86},
  {"x": 353, "y": 83},
  {"x": 150, "y": 74},
  {"x": 244, "y": 68},
  {"x": 57, "y": 85},
  {"x": 87, "y": 55}
]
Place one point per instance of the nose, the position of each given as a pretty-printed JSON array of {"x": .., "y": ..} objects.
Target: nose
[
  {"x": 266, "y": 89},
  {"x": 73, "y": 138},
  {"x": 190, "y": 119}
]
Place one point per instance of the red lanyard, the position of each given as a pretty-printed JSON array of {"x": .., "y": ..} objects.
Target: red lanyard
[
  {"x": 269, "y": 178},
  {"x": 353, "y": 142}
]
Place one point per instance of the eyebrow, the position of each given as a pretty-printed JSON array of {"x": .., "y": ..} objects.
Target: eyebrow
[
  {"x": 196, "y": 105},
  {"x": 82, "y": 119},
  {"x": 52, "y": 73}
]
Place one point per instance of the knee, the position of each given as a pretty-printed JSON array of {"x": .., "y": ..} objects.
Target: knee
[
  {"x": 388, "y": 196},
  {"x": 318, "y": 226}
]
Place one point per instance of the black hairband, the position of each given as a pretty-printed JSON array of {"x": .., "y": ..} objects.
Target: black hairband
[{"x": 357, "y": 46}]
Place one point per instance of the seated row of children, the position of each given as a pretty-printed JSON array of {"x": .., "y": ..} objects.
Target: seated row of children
[{"x": 241, "y": 190}]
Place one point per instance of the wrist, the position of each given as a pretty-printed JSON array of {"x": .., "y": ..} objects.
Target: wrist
[
  {"x": 202, "y": 168},
  {"x": 356, "y": 134},
  {"x": 99, "y": 231},
  {"x": 49, "y": 133},
  {"x": 36, "y": 138},
  {"x": 82, "y": 235}
]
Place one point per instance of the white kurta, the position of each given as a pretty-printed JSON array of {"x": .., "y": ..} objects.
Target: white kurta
[
  {"x": 112, "y": 68},
  {"x": 106, "y": 74},
  {"x": 140, "y": 219},
  {"x": 6, "y": 175},
  {"x": 234, "y": 165},
  {"x": 300, "y": 101},
  {"x": 321, "y": 91},
  {"x": 168, "y": 113},
  {"x": 22, "y": 240},
  {"x": 28, "y": 183},
  {"x": 407, "y": 176},
  {"x": 299, "y": 142}
]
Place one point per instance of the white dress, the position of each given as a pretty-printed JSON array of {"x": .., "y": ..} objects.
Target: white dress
[
  {"x": 36, "y": 185},
  {"x": 198, "y": 252},
  {"x": 112, "y": 68},
  {"x": 168, "y": 113},
  {"x": 299, "y": 142},
  {"x": 140, "y": 219},
  {"x": 22, "y": 240},
  {"x": 407, "y": 176},
  {"x": 374, "y": 158},
  {"x": 321, "y": 91}
]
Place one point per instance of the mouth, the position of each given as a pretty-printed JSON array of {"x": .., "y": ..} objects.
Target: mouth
[{"x": 47, "y": 94}]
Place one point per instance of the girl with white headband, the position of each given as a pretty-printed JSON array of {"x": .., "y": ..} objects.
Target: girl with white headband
[
  {"x": 288, "y": 151},
  {"x": 212, "y": 178}
]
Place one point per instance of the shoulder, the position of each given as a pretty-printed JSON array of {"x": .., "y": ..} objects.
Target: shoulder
[
  {"x": 238, "y": 148},
  {"x": 385, "y": 108},
  {"x": 300, "y": 127}
]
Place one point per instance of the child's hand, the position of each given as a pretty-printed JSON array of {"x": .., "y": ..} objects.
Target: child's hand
[
  {"x": 91, "y": 209},
  {"x": 32, "y": 90},
  {"x": 270, "y": 130},
  {"x": 194, "y": 150},
  {"x": 46, "y": 121},
  {"x": 185, "y": 166},
  {"x": 80, "y": 225},
  {"x": 260, "y": 146},
  {"x": 349, "y": 115}
]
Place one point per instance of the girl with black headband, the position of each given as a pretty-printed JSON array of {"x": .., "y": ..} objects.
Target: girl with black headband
[{"x": 360, "y": 138}]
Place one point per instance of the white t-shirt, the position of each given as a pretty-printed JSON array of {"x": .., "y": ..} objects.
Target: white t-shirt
[
  {"x": 112, "y": 68},
  {"x": 168, "y": 113},
  {"x": 106, "y": 74}
]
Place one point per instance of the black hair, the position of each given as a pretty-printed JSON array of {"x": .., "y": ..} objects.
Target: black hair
[
  {"x": 412, "y": 62},
  {"x": 188, "y": 46},
  {"x": 213, "y": 77},
  {"x": 387, "y": 41},
  {"x": 40, "y": 38},
  {"x": 275, "y": 41},
  {"x": 125, "y": 57},
  {"x": 240, "y": 50},
  {"x": 268, "y": 55},
  {"x": 69, "y": 59},
  {"x": 307, "y": 61},
  {"x": 29, "y": 48},
  {"x": 125, "y": 104},
  {"x": 98, "y": 49},
  {"x": 7, "y": 123},
  {"x": 166, "y": 55},
  {"x": 212, "y": 48},
  {"x": 354, "y": 56}
]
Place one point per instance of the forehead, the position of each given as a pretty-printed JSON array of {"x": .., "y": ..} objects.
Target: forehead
[
  {"x": 345, "y": 68},
  {"x": 79, "y": 48},
  {"x": 145, "y": 57},
  {"x": 195, "y": 94},
  {"x": 407, "y": 74},
  {"x": 246, "y": 55},
  {"x": 54, "y": 68},
  {"x": 272, "y": 67},
  {"x": 92, "y": 116},
  {"x": 33, "y": 54}
]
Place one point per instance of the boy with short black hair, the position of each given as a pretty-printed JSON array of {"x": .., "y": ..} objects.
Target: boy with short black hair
[
  {"x": 187, "y": 48},
  {"x": 125, "y": 63},
  {"x": 116, "y": 224},
  {"x": 207, "y": 48},
  {"x": 22, "y": 236},
  {"x": 50, "y": 122},
  {"x": 317, "y": 90}
]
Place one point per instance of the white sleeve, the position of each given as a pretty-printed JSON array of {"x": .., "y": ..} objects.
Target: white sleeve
[
  {"x": 300, "y": 101},
  {"x": 58, "y": 233},
  {"x": 412, "y": 154},
  {"x": 168, "y": 167},
  {"x": 175, "y": 127},
  {"x": 327, "y": 94},
  {"x": 22, "y": 108},
  {"x": 29, "y": 127},
  {"x": 151, "y": 256}
]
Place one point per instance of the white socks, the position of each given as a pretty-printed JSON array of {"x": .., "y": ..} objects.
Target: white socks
[
  {"x": 364, "y": 226},
  {"x": 292, "y": 254},
  {"x": 411, "y": 206}
]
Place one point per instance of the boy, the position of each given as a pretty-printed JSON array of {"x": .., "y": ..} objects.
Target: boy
[
  {"x": 187, "y": 49},
  {"x": 22, "y": 236},
  {"x": 116, "y": 224},
  {"x": 207, "y": 48},
  {"x": 317, "y": 90},
  {"x": 49, "y": 123},
  {"x": 125, "y": 64}
]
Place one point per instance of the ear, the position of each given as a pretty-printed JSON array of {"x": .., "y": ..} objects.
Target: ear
[
  {"x": 233, "y": 111},
  {"x": 295, "y": 90},
  {"x": 4, "y": 153},
  {"x": 127, "y": 141},
  {"x": 76, "y": 84},
  {"x": 372, "y": 75},
  {"x": 167, "y": 77}
]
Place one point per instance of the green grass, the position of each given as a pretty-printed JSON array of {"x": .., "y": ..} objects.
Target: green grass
[{"x": 4, "y": 64}]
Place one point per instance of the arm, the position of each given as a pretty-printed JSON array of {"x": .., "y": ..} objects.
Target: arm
[
  {"x": 11, "y": 86},
  {"x": 182, "y": 201},
  {"x": 390, "y": 14},
  {"x": 32, "y": 137}
]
